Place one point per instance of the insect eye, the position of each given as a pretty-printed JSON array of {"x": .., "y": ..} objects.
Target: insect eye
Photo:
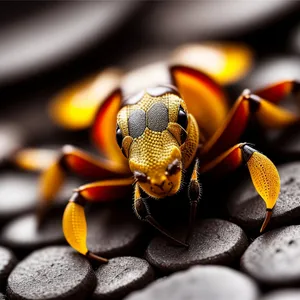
[
  {"x": 119, "y": 136},
  {"x": 182, "y": 118},
  {"x": 141, "y": 177}
]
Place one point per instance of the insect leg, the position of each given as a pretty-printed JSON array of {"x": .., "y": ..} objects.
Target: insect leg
[
  {"x": 53, "y": 174},
  {"x": 249, "y": 105},
  {"x": 264, "y": 174},
  {"x": 142, "y": 211},
  {"x": 194, "y": 193},
  {"x": 74, "y": 221}
]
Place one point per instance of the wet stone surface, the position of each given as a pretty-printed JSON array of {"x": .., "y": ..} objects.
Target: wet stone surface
[
  {"x": 114, "y": 232},
  {"x": 285, "y": 143},
  {"x": 273, "y": 258},
  {"x": 213, "y": 241},
  {"x": 18, "y": 194},
  {"x": 12, "y": 137},
  {"x": 121, "y": 276},
  {"x": 201, "y": 282},
  {"x": 7, "y": 263},
  {"x": 52, "y": 273},
  {"x": 2, "y": 297},
  {"x": 22, "y": 234},
  {"x": 247, "y": 209},
  {"x": 286, "y": 294}
]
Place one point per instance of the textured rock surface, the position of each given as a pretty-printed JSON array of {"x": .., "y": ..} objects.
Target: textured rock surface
[
  {"x": 121, "y": 276},
  {"x": 22, "y": 233},
  {"x": 113, "y": 232},
  {"x": 274, "y": 257},
  {"x": 213, "y": 241},
  {"x": 18, "y": 194},
  {"x": 205, "y": 282},
  {"x": 7, "y": 263},
  {"x": 52, "y": 273},
  {"x": 247, "y": 209}
]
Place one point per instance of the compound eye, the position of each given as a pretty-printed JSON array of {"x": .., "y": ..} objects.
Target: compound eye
[
  {"x": 119, "y": 136},
  {"x": 182, "y": 119}
]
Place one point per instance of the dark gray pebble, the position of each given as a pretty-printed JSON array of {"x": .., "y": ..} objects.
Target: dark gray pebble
[
  {"x": 113, "y": 232},
  {"x": 121, "y": 276},
  {"x": 274, "y": 257},
  {"x": 2, "y": 297},
  {"x": 247, "y": 209},
  {"x": 287, "y": 294},
  {"x": 12, "y": 138},
  {"x": 22, "y": 234},
  {"x": 285, "y": 143},
  {"x": 52, "y": 273},
  {"x": 18, "y": 194},
  {"x": 213, "y": 241},
  {"x": 201, "y": 282},
  {"x": 7, "y": 263}
]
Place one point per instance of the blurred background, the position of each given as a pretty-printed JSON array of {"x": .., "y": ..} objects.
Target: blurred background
[{"x": 46, "y": 46}]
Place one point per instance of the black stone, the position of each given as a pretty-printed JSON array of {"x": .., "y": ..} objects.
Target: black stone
[
  {"x": 52, "y": 273},
  {"x": 22, "y": 234},
  {"x": 213, "y": 241},
  {"x": 114, "y": 232},
  {"x": 285, "y": 143},
  {"x": 205, "y": 282},
  {"x": 158, "y": 117},
  {"x": 121, "y": 276},
  {"x": 12, "y": 138},
  {"x": 247, "y": 209},
  {"x": 7, "y": 263},
  {"x": 286, "y": 294},
  {"x": 2, "y": 297},
  {"x": 18, "y": 194},
  {"x": 273, "y": 258}
]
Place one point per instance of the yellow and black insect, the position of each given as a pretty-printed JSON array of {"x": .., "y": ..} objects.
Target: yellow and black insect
[{"x": 148, "y": 139}]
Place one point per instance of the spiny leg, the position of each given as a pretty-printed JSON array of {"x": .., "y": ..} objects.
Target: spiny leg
[
  {"x": 74, "y": 221},
  {"x": 278, "y": 91},
  {"x": 248, "y": 104},
  {"x": 70, "y": 159},
  {"x": 141, "y": 209},
  {"x": 264, "y": 174},
  {"x": 194, "y": 193}
]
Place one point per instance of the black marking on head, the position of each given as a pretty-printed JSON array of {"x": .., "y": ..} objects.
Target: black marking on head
[
  {"x": 137, "y": 123},
  {"x": 182, "y": 119},
  {"x": 119, "y": 136},
  {"x": 161, "y": 90},
  {"x": 158, "y": 117}
]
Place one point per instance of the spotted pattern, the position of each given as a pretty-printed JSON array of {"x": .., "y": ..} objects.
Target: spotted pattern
[
  {"x": 157, "y": 117},
  {"x": 137, "y": 123}
]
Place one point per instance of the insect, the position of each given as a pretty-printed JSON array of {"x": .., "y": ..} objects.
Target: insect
[{"x": 149, "y": 139}]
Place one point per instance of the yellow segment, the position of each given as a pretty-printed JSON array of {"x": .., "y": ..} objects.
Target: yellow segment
[
  {"x": 75, "y": 107},
  {"x": 225, "y": 62},
  {"x": 74, "y": 227},
  {"x": 265, "y": 178},
  {"x": 35, "y": 159},
  {"x": 203, "y": 102},
  {"x": 273, "y": 116},
  {"x": 51, "y": 181}
]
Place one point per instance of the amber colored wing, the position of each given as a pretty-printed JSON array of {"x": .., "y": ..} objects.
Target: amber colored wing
[
  {"x": 205, "y": 99},
  {"x": 104, "y": 129}
]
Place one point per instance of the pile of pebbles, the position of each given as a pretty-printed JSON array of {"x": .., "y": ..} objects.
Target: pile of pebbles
[{"x": 227, "y": 258}]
